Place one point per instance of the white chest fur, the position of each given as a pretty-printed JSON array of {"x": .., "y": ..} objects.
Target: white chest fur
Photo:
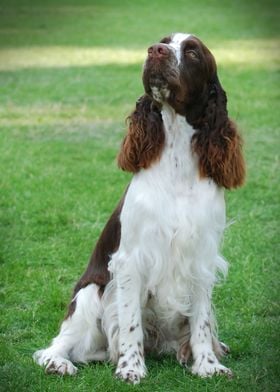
[{"x": 172, "y": 222}]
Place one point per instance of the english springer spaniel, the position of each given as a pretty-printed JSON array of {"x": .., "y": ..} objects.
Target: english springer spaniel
[{"x": 149, "y": 282}]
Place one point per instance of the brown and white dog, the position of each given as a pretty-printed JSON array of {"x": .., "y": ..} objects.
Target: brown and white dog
[{"x": 149, "y": 283}]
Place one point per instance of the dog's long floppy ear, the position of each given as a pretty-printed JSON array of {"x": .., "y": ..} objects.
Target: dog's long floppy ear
[
  {"x": 218, "y": 143},
  {"x": 145, "y": 137}
]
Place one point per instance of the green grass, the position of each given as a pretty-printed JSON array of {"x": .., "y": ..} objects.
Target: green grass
[{"x": 70, "y": 73}]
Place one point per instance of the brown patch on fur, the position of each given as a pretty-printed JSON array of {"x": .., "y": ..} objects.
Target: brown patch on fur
[
  {"x": 144, "y": 141},
  {"x": 218, "y": 143},
  {"x": 97, "y": 269}
]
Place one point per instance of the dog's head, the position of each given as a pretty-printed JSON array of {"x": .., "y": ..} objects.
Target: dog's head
[{"x": 179, "y": 70}]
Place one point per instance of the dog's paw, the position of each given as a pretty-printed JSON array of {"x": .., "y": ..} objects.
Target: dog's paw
[
  {"x": 61, "y": 366},
  {"x": 131, "y": 371},
  {"x": 208, "y": 366},
  {"x": 41, "y": 357},
  {"x": 54, "y": 364},
  {"x": 129, "y": 375}
]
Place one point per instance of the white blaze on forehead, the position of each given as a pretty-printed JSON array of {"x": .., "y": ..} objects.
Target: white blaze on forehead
[{"x": 175, "y": 43}]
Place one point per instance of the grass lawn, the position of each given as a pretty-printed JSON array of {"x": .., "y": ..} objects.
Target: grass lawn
[{"x": 70, "y": 72}]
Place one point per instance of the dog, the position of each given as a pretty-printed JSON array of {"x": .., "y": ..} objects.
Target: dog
[{"x": 149, "y": 282}]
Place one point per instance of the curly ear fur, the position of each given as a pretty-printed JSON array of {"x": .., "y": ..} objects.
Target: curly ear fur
[
  {"x": 218, "y": 143},
  {"x": 144, "y": 141}
]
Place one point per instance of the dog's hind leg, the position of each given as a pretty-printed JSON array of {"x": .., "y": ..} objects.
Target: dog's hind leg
[{"x": 80, "y": 338}]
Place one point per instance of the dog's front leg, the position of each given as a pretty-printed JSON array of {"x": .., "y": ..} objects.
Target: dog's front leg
[
  {"x": 206, "y": 363},
  {"x": 131, "y": 365}
]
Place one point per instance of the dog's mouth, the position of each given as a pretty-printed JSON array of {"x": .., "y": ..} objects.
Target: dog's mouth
[
  {"x": 159, "y": 80},
  {"x": 158, "y": 86}
]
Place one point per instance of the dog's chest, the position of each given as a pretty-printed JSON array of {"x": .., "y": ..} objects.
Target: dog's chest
[
  {"x": 170, "y": 194},
  {"x": 172, "y": 220}
]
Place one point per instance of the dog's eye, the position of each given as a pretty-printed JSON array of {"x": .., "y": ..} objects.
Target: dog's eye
[{"x": 191, "y": 53}]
